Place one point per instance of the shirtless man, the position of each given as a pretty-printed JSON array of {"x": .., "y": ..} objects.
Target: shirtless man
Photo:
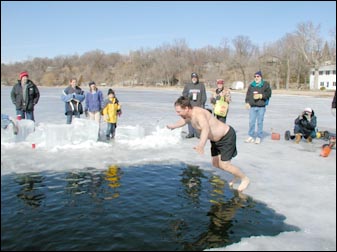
[{"x": 221, "y": 135}]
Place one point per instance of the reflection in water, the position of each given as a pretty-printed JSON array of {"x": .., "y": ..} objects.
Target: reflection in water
[
  {"x": 113, "y": 176},
  {"x": 31, "y": 192},
  {"x": 99, "y": 185},
  {"x": 221, "y": 216},
  {"x": 143, "y": 208},
  {"x": 191, "y": 180},
  {"x": 84, "y": 181}
]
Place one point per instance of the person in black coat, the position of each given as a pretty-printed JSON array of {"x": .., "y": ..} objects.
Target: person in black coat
[
  {"x": 305, "y": 125},
  {"x": 196, "y": 93},
  {"x": 25, "y": 95}
]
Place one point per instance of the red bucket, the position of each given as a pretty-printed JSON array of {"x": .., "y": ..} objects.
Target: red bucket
[{"x": 275, "y": 136}]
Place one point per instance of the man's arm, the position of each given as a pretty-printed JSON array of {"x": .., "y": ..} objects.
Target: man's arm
[
  {"x": 204, "y": 126},
  {"x": 178, "y": 124}
]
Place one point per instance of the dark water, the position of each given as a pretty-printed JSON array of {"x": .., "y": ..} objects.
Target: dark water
[{"x": 144, "y": 207}]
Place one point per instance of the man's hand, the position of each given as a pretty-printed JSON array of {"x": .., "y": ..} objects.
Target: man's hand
[
  {"x": 247, "y": 106},
  {"x": 171, "y": 127},
  {"x": 199, "y": 149},
  {"x": 257, "y": 96}
]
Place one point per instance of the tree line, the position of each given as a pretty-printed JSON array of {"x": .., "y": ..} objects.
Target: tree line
[{"x": 285, "y": 63}]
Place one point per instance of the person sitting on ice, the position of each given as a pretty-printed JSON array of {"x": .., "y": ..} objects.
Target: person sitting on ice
[
  {"x": 305, "y": 125},
  {"x": 6, "y": 120}
]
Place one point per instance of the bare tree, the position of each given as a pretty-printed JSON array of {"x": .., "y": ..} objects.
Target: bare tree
[
  {"x": 309, "y": 44},
  {"x": 244, "y": 50}
]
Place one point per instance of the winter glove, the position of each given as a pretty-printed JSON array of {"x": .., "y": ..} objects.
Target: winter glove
[
  {"x": 119, "y": 112},
  {"x": 247, "y": 106},
  {"x": 257, "y": 96}
]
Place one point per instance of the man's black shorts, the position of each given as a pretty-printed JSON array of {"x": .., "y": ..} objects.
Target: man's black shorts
[{"x": 226, "y": 146}]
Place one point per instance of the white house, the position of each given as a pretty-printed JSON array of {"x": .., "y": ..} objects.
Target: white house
[
  {"x": 326, "y": 77},
  {"x": 237, "y": 85}
]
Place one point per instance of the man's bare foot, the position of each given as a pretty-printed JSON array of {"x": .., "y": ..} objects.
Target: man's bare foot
[{"x": 244, "y": 183}]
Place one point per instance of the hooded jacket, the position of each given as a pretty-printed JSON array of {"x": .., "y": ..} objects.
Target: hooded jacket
[
  {"x": 306, "y": 124},
  {"x": 32, "y": 96},
  {"x": 196, "y": 92},
  {"x": 73, "y": 98}
]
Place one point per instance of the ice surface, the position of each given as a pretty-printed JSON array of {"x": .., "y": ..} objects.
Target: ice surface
[{"x": 291, "y": 178}]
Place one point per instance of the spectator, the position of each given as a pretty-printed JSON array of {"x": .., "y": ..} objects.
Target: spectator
[
  {"x": 94, "y": 102},
  {"x": 220, "y": 100},
  {"x": 305, "y": 125},
  {"x": 196, "y": 92},
  {"x": 111, "y": 109},
  {"x": 257, "y": 98},
  {"x": 73, "y": 96},
  {"x": 25, "y": 95}
]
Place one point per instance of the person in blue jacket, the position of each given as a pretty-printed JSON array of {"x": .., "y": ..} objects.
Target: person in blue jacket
[
  {"x": 73, "y": 96},
  {"x": 6, "y": 120},
  {"x": 94, "y": 102}
]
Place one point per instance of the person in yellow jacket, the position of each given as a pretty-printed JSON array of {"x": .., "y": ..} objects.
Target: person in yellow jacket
[{"x": 111, "y": 110}]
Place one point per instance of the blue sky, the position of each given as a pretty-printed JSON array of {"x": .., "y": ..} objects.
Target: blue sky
[{"x": 54, "y": 28}]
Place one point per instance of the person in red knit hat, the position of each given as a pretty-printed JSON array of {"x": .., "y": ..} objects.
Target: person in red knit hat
[{"x": 25, "y": 95}]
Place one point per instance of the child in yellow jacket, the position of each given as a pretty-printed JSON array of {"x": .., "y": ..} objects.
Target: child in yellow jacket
[{"x": 111, "y": 110}]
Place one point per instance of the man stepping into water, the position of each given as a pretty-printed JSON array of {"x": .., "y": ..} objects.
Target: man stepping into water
[{"x": 221, "y": 135}]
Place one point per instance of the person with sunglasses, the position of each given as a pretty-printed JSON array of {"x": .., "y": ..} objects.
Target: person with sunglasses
[{"x": 257, "y": 98}]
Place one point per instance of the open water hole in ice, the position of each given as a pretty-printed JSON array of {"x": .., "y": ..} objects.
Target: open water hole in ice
[{"x": 148, "y": 207}]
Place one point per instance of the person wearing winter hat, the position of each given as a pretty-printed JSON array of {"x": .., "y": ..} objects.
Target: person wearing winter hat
[
  {"x": 305, "y": 125},
  {"x": 196, "y": 92},
  {"x": 220, "y": 100},
  {"x": 257, "y": 98},
  {"x": 94, "y": 102},
  {"x": 73, "y": 96},
  {"x": 111, "y": 110},
  {"x": 25, "y": 95}
]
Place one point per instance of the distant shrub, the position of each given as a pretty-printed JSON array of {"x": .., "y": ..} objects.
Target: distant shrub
[{"x": 322, "y": 88}]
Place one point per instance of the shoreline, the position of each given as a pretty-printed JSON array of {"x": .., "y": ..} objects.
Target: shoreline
[{"x": 313, "y": 93}]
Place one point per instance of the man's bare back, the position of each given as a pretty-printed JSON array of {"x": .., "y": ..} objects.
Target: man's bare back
[{"x": 217, "y": 129}]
